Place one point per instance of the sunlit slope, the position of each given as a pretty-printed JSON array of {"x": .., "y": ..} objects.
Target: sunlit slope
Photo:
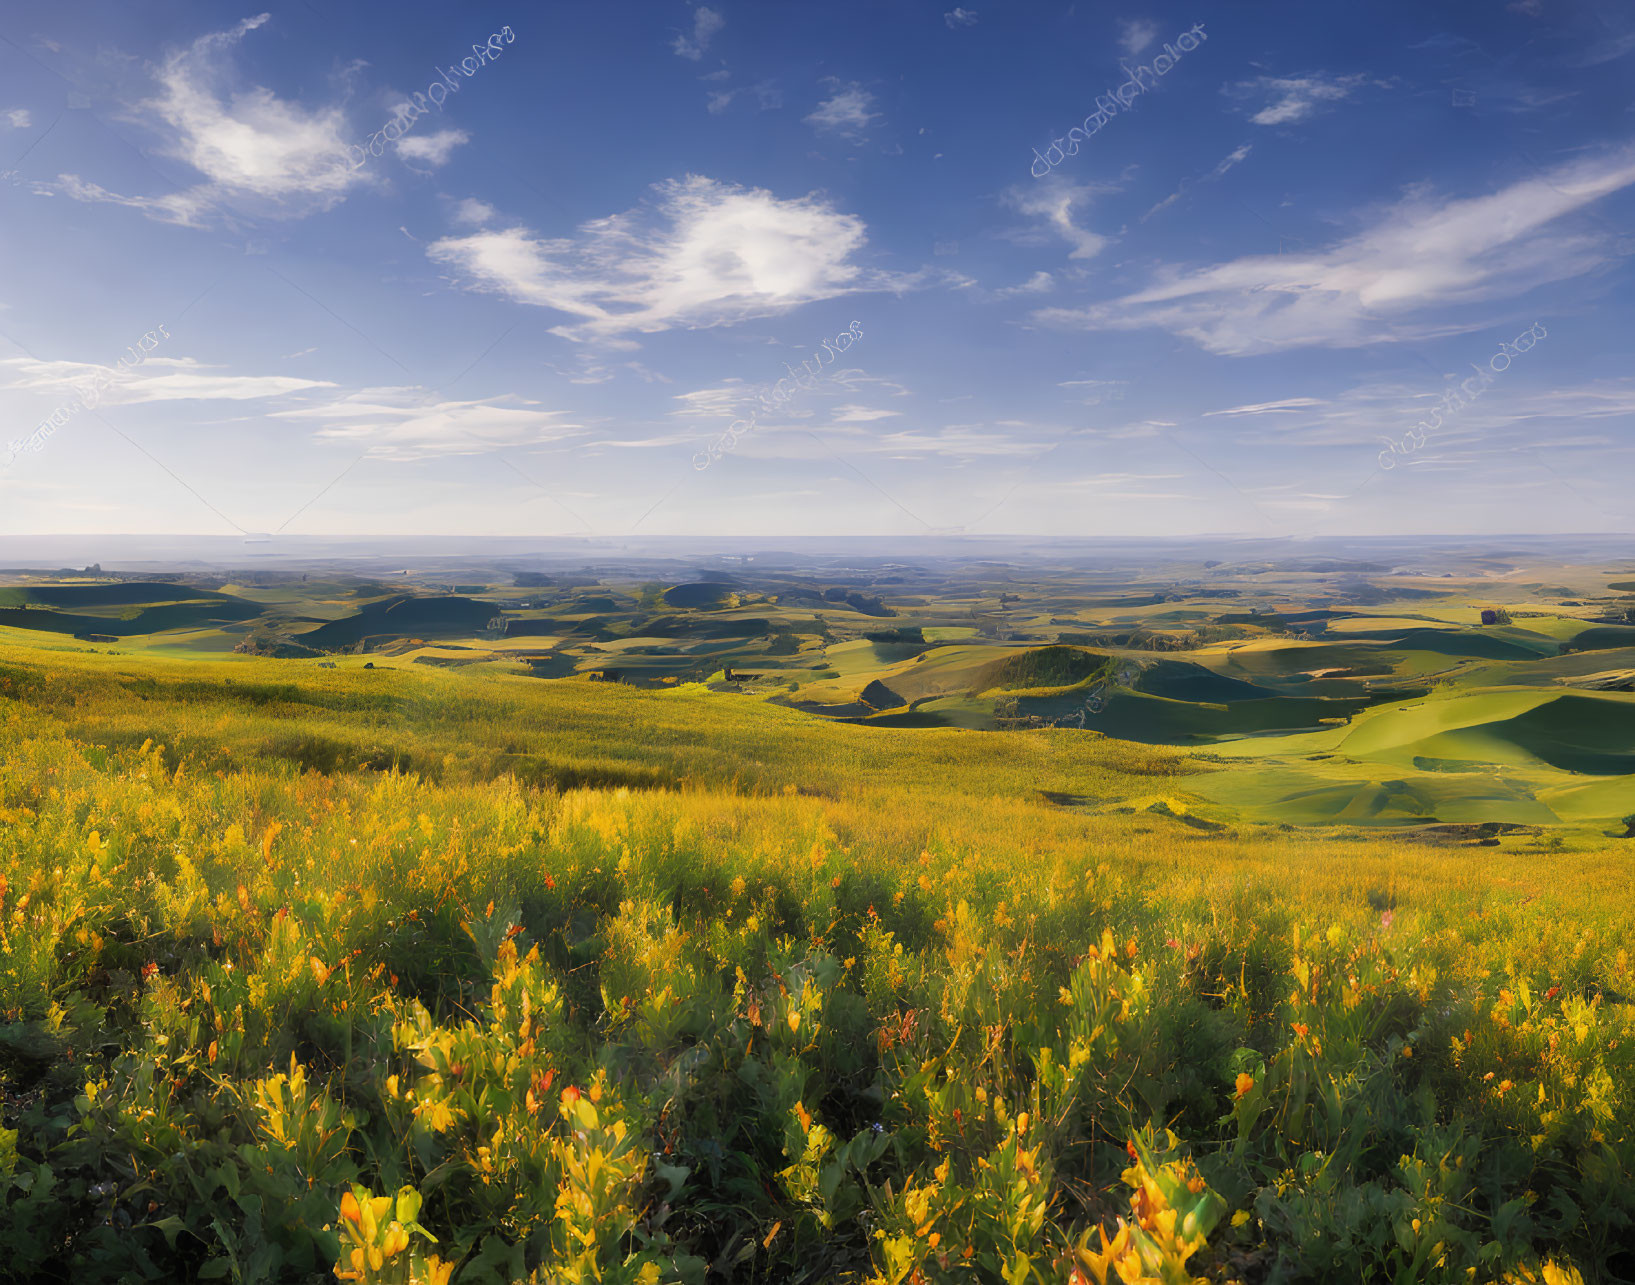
[
  {"x": 1345, "y": 792},
  {"x": 476, "y": 723},
  {"x": 1522, "y": 756},
  {"x": 1586, "y": 732}
]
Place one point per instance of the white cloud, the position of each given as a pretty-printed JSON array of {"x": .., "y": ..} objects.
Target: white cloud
[
  {"x": 473, "y": 211},
  {"x": 720, "y": 402},
  {"x": 706, "y": 22},
  {"x": 158, "y": 379},
  {"x": 18, "y": 118},
  {"x": 847, "y": 112},
  {"x": 1038, "y": 283},
  {"x": 432, "y": 149},
  {"x": 957, "y": 18},
  {"x": 767, "y": 97},
  {"x": 702, "y": 253},
  {"x": 643, "y": 443},
  {"x": 1231, "y": 159},
  {"x": 960, "y": 440},
  {"x": 1513, "y": 413},
  {"x": 1369, "y": 288},
  {"x": 399, "y": 423},
  {"x": 1054, "y": 201},
  {"x": 1287, "y": 405},
  {"x": 1297, "y": 97},
  {"x": 259, "y": 154},
  {"x": 190, "y": 208},
  {"x": 1609, "y": 50},
  {"x": 850, "y": 414},
  {"x": 1140, "y": 428},
  {"x": 1135, "y": 34}
]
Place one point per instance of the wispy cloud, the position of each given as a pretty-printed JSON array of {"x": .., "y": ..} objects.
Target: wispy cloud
[
  {"x": 1232, "y": 158},
  {"x": 851, "y": 414},
  {"x": 158, "y": 379},
  {"x": 702, "y": 253},
  {"x": 957, "y": 18},
  {"x": 1609, "y": 50},
  {"x": 259, "y": 154},
  {"x": 432, "y": 149},
  {"x": 1287, "y": 405},
  {"x": 958, "y": 440},
  {"x": 1374, "y": 286},
  {"x": 706, "y": 22},
  {"x": 1054, "y": 202},
  {"x": 1135, "y": 34},
  {"x": 1038, "y": 283},
  {"x": 473, "y": 211},
  {"x": 1295, "y": 98},
  {"x": 18, "y": 118},
  {"x": 768, "y": 97},
  {"x": 848, "y": 110},
  {"x": 400, "y": 423}
]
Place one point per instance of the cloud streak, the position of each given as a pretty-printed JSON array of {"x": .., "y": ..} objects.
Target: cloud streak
[
  {"x": 401, "y": 424},
  {"x": 1297, "y": 97},
  {"x": 1377, "y": 285},
  {"x": 158, "y": 379}
]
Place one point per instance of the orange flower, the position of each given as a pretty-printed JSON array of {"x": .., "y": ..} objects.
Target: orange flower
[
  {"x": 437, "y": 1271},
  {"x": 570, "y": 1095},
  {"x": 349, "y": 1208},
  {"x": 1245, "y": 1083},
  {"x": 1301, "y": 1029}
]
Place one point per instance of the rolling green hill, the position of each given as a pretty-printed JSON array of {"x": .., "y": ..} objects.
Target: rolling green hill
[{"x": 442, "y": 617}]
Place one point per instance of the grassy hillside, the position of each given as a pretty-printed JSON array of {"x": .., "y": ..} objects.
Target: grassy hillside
[{"x": 594, "y": 983}]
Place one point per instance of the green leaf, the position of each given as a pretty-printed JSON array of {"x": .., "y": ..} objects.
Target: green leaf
[
  {"x": 169, "y": 1228},
  {"x": 675, "y": 1175}
]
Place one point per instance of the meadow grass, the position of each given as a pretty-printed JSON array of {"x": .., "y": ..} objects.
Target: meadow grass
[{"x": 437, "y": 976}]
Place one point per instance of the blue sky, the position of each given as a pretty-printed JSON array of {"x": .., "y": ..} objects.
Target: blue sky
[{"x": 592, "y": 251}]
